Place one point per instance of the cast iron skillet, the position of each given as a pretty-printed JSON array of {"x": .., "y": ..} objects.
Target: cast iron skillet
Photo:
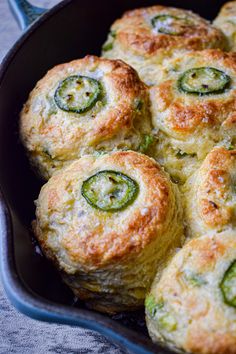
[{"x": 70, "y": 30}]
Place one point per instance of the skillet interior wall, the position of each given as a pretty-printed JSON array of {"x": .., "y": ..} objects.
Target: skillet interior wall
[{"x": 79, "y": 28}]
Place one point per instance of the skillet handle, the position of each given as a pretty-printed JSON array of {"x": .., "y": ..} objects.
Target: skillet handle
[{"x": 24, "y": 12}]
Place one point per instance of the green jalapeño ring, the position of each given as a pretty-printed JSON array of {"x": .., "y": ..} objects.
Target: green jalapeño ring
[
  {"x": 204, "y": 81},
  {"x": 110, "y": 191},
  {"x": 77, "y": 94}
]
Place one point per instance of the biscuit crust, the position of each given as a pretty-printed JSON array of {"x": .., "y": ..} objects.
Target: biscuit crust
[
  {"x": 136, "y": 41},
  {"x": 191, "y": 125},
  {"x": 53, "y": 138},
  {"x": 189, "y": 289},
  {"x": 226, "y": 22},
  {"x": 210, "y": 195},
  {"x": 109, "y": 259}
]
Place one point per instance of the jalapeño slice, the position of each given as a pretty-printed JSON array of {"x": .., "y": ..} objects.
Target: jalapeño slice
[
  {"x": 77, "y": 93},
  {"x": 228, "y": 285},
  {"x": 168, "y": 24},
  {"x": 110, "y": 191},
  {"x": 203, "y": 81}
]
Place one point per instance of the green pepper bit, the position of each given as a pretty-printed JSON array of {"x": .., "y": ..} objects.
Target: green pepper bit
[
  {"x": 228, "y": 285},
  {"x": 167, "y": 322},
  {"x": 231, "y": 147},
  {"x": 78, "y": 94},
  {"x": 108, "y": 45},
  {"x": 147, "y": 141},
  {"x": 203, "y": 81},
  {"x": 157, "y": 310},
  {"x": 113, "y": 33},
  {"x": 110, "y": 191},
  {"x": 194, "y": 279},
  {"x": 152, "y": 306}
]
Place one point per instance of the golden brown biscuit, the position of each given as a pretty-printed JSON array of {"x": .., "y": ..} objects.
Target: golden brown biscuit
[
  {"x": 107, "y": 223},
  {"x": 226, "y": 21},
  {"x": 86, "y": 106},
  {"x": 192, "y": 304},
  {"x": 194, "y": 108},
  {"x": 210, "y": 194},
  {"x": 145, "y": 37}
]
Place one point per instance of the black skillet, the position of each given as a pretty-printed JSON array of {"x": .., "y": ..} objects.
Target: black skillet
[{"x": 70, "y": 30}]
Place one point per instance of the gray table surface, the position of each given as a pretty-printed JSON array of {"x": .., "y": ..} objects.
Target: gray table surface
[{"x": 18, "y": 333}]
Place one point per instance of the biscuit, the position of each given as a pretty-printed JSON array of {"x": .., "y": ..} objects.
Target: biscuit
[
  {"x": 90, "y": 105},
  {"x": 193, "y": 108},
  {"x": 191, "y": 305},
  {"x": 108, "y": 223},
  {"x": 210, "y": 194},
  {"x": 145, "y": 37},
  {"x": 226, "y": 22}
]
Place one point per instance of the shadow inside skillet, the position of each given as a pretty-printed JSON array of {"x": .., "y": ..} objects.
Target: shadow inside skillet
[{"x": 79, "y": 28}]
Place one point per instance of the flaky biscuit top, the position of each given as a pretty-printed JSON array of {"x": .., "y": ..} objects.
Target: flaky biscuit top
[
  {"x": 120, "y": 118},
  {"x": 135, "y": 32}
]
